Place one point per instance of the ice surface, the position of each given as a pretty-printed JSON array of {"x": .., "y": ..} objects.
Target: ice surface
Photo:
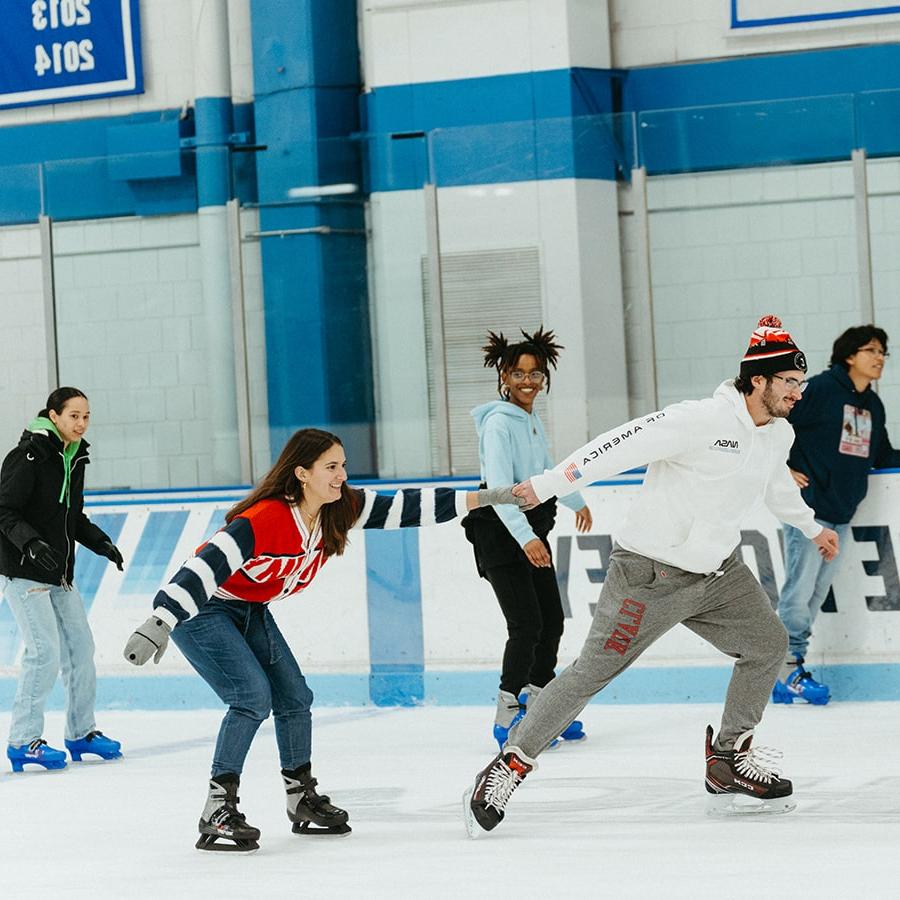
[{"x": 619, "y": 815}]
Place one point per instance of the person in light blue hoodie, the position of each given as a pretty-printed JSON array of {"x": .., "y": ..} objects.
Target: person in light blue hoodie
[{"x": 511, "y": 547}]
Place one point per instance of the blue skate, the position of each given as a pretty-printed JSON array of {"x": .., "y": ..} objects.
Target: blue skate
[
  {"x": 573, "y": 732},
  {"x": 37, "y": 752},
  {"x": 96, "y": 742},
  {"x": 800, "y": 685}
]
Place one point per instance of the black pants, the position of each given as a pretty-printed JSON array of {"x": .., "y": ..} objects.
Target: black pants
[{"x": 529, "y": 598}]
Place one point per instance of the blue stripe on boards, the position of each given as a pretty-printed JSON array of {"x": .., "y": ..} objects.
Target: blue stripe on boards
[
  {"x": 396, "y": 645},
  {"x": 154, "y": 552},
  {"x": 672, "y": 684},
  {"x": 411, "y": 514},
  {"x": 89, "y": 567},
  {"x": 393, "y": 685},
  {"x": 216, "y": 521},
  {"x": 191, "y": 692}
]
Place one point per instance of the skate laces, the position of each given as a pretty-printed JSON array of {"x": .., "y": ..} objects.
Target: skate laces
[
  {"x": 758, "y": 763},
  {"x": 35, "y": 746},
  {"x": 501, "y": 781}
]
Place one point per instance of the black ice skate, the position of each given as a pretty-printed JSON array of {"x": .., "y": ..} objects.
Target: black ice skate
[
  {"x": 744, "y": 780},
  {"x": 311, "y": 813},
  {"x": 484, "y": 805},
  {"x": 221, "y": 820}
]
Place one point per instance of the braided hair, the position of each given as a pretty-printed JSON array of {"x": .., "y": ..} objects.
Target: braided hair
[{"x": 501, "y": 355}]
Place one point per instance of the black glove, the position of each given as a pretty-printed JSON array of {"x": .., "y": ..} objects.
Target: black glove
[
  {"x": 111, "y": 552},
  {"x": 43, "y": 554}
]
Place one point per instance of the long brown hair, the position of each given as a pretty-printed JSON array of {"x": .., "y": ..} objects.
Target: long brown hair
[{"x": 280, "y": 482}]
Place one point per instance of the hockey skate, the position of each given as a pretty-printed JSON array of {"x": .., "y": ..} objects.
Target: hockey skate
[
  {"x": 799, "y": 684},
  {"x": 311, "y": 813},
  {"x": 37, "y": 752},
  {"x": 95, "y": 742},
  {"x": 221, "y": 820},
  {"x": 509, "y": 711},
  {"x": 744, "y": 781},
  {"x": 484, "y": 804}
]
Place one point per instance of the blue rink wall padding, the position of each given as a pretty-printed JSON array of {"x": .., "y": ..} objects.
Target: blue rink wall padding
[{"x": 686, "y": 684}]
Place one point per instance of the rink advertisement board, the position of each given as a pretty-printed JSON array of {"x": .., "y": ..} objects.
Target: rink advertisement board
[
  {"x": 52, "y": 51},
  {"x": 775, "y": 13},
  {"x": 402, "y": 617}
]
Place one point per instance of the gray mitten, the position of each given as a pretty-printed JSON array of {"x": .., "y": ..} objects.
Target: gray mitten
[
  {"x": 151, "y": 639},
  {"x": 497, "y": 496}
]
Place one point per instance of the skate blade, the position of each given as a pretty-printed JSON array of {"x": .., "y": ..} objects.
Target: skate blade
[
  {"x": 208, "y": 842},
  {"x": 309, "y": 830},
  {"x": 744, "y": 805},
  {"x": 473, "y": 829}
]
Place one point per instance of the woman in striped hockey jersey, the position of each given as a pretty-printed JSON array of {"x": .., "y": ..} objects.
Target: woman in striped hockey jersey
[{"x": 215, "y": 608}]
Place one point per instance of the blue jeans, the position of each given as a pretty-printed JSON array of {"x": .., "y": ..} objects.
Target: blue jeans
[
  {"x": 239, "y": 652},
  {"x": 58, "y": 640},
  {"x": 807, "y": 580}
]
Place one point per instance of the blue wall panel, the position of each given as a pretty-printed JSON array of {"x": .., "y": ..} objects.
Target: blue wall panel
[
  {"x": 396, "y": 642},
  {"x": 306, "y": 76}
]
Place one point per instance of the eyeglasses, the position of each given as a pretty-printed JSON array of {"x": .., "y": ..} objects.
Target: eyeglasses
[
  {"x": 793, "y": 384},
  {"x": 517, "y": 377},
  {"x": 876, "y": 350}
]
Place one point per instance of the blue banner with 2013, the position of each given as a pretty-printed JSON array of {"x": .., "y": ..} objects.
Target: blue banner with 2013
[{"x": 57, "y": 50}]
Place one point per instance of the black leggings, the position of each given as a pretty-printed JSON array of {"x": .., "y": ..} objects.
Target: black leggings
[{"x": 529, "y": 598}]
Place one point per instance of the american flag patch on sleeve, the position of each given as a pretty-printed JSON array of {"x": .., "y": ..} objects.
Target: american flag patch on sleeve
[{"x": 571, "y": 472}]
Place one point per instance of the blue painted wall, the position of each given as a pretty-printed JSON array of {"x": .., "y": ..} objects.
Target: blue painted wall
[
  {"x": 307, "y": 81},
  {"x": 114, "y": 166}
]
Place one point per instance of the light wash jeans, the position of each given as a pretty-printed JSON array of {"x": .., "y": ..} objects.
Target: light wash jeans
[
  {"x": 58, "y": 640},
  {"x": 239, "y": 652},
  {"x": 807, "y": 579}
]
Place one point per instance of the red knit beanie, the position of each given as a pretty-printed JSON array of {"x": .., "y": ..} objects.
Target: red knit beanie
[{"x": 771, "y": 350}]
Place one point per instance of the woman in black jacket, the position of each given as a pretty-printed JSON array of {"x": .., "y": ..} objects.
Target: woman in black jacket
[{"x": 41, "y": 518}]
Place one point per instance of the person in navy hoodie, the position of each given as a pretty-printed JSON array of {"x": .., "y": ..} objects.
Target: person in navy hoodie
[
  {"x": 840, "y": 436},
  {"x": 511, "y": 547}
]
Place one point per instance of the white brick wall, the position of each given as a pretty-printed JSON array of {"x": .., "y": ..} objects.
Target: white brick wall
[
  {"x": 414, "y": 41},
  {"x": 23, "y": 351},
  {"x": 774, "y": 240},
  {"x": 167, "y": 50},
  {"x": 649, "y": 32},
  {"x": 884, "y": 223},
  {"x": 718, "y": 265},
  {"x": 131, "y": 334}
]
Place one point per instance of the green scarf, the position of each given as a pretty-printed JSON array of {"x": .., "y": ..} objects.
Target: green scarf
[{"x": 42, "y": 424}]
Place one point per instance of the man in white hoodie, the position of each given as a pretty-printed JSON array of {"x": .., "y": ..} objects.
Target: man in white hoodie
[{"x": 677, "y": 560}]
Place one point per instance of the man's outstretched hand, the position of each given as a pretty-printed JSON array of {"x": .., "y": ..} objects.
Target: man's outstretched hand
[{"x": 524, "y": 491}]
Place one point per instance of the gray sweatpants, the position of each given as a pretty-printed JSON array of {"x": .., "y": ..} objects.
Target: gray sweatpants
[{"x": 640, "y": 601}]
